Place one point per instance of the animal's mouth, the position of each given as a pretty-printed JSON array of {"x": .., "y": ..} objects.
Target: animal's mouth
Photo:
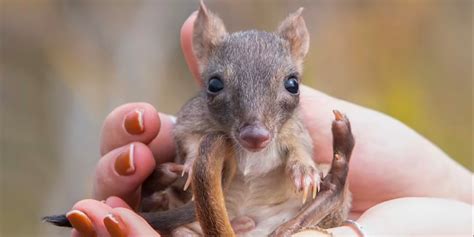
[
  {"x": 251, "y": 149},
  {"x": 254, "y": 137}
]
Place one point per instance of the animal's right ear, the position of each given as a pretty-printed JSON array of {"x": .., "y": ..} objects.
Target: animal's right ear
[
  {"x": 293, "y": 30},
  {"x": 208, "y": 32}
]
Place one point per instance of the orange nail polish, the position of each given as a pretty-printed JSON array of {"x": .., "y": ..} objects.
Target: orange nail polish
[
  {"x": 81, "y": 222},
  {"x": 124, "y": 163},
  {"x": 114, "y": 226},
  {"x": 133, "y": 122}
]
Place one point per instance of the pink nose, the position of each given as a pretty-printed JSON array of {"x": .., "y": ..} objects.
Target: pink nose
[{"x": 254, "y": 137}]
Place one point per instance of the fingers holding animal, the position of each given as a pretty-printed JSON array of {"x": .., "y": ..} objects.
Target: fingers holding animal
[
  {"x": 128, "y": 123},
  {"x": 86, "y": 217},
  {"x": 129, "y": 223},
  {"x": 121, "y": 172},
  {"x": 94, "y": 218},
  {"x": 138, "y": 122}
]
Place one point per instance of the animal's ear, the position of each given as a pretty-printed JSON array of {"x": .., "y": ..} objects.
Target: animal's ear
[
  {"x": 208, "y": 32},
  {"x": 293, "y": 29}
]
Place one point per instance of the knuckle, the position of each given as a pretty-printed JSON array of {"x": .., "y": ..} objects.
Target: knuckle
[{"x": 83, "y": 204}]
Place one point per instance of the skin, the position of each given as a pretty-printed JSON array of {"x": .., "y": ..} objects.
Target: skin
[{"x": 390, "y": 161}]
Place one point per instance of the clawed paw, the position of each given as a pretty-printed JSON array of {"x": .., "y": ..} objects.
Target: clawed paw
[
  {"x": 188, "y": 169},
  {"x": 306, "y": 178}
]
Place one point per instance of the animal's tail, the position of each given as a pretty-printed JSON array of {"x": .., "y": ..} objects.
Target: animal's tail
[
  {"x": 58, "y": 220},
  {"x": 164, "y": 221}
]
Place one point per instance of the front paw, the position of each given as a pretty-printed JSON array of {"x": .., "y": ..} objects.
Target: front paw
[
  {"x": 305, "y": 177},
  {"x": 188, "y": 169}
]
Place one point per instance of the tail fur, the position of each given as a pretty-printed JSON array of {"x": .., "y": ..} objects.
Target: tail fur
[
  {"x": 58, "y": 220},
  {"x": 164, "y": 221}
]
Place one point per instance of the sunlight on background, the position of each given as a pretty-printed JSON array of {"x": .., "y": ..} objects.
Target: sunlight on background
[{"x": 66, "y": 64}]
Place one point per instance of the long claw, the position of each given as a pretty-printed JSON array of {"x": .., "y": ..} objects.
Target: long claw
[
  {"x": 188, "y": 182},
  {"x": 305, "y": 193},
  {"x": 315, "y": 187}
]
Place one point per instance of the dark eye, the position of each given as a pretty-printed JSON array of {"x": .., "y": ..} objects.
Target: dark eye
[
  {"x": 215, "y": 85},
  {"x": 291, "y": 85}
]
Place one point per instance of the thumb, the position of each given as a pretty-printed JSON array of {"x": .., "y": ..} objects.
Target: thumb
[{"x": 125, "y": 222}]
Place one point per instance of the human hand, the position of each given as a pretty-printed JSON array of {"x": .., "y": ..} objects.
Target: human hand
[
  {"x": 112, "y": 217},
  {"x": 134, "y": 138}
]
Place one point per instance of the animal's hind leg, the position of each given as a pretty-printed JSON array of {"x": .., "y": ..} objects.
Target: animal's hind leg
[
  {"x": 333, "y": 200},
  {"x": 338, "y": 216},
  {"x": 343, "y": 143}
]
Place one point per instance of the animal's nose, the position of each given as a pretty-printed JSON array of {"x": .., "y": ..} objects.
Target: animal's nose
[{"x": 254, "y": 137}]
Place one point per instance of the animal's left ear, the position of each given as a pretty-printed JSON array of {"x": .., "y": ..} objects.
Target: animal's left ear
[
  {"x": 207, "y": 34},
  {"x": 293, "y": 29}
]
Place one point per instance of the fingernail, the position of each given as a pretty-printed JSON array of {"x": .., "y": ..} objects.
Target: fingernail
[
  {"x": 114, "y": 226},
  {"x": 81, "y": 222},
  {"x": 124, "y": 163},
  {"x": 173, "y": 119},
  {"x": 133, "y": 122}
]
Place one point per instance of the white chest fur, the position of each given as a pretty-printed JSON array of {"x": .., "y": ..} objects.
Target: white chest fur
[
  {"x": 251, "y": 164},
  {"x": 262, "y": 191}
]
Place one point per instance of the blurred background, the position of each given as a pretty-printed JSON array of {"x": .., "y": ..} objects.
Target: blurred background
[{"x": 66, "y": 64}]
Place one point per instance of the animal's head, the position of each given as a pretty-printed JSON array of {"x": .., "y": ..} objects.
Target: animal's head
[{"x": 251, "y": 78}]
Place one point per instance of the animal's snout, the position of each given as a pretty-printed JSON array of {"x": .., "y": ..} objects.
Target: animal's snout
[{"x": 254, "y": 137}]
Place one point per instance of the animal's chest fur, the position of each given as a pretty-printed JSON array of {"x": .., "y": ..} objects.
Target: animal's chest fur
[{"x": 262, "y": 191}]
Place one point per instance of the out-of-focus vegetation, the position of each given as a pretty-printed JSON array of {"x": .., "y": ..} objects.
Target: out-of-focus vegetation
[{"x": 66, "y": 64}]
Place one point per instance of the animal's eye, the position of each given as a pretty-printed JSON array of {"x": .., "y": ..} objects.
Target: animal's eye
[
  {"x": 291, "y": 85},
  {"x": 215, "y": 85}
]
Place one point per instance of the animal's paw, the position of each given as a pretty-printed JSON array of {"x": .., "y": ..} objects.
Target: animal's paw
[
  {"x": 305, "y": 177},
  {"x": 188, "y": 169}
]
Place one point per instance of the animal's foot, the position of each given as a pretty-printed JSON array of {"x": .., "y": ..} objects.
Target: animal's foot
[
  {"x": 343, "y": 143},
  {"x": 306, "y": 178},
  {"x": 242, "y": 224}
]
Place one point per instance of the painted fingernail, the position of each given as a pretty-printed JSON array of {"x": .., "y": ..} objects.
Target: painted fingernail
[
  {"x": 81, "y": 222},
  {"x": 124, "y": 163},
  {"x": 114, "y": 226},
  {"x": 133, "y": 122}
]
